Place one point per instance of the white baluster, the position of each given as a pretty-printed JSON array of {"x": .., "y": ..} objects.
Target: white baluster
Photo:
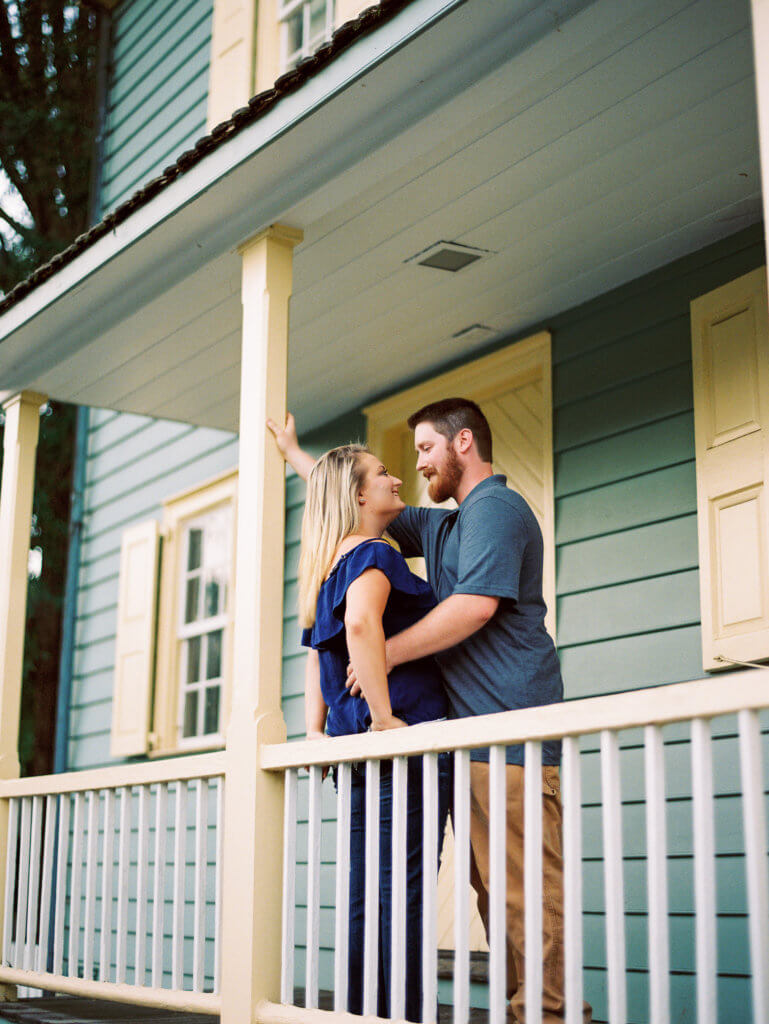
[
  {"x": 34, "y": 883},
  {"x": 62, "y": 853},
  {"x": 11, "y": 872},
  {"x": 313, "y": 888},
  {"x": 704, "y": 872},
  {"x": 371, "y": 891},
  {"x": 180, "y": 856},
  {"x": 107, "y": 860},
  {"x": 49, "y": 842},
  {"x": 572, "y": 879},
  {"x": 199, "y": 928},
  {"x": 497, "y": 886},
  {"x": 23, "y": 893},
  {"x": 91, "y": 856},
  {"x": 219, "y": 864},
  {"x": 429, "y": 886},
  {"x": 123, "y": 875},
  {"x": 532, "y": 879},
  {"x": 754, "y": 824},
  {"x": 142, "y": 872},
  {"x": 289, "y": 886},
  {"x": 461, "y": 822},
  {"x": 656, "y": 855},
  {"x": 75, "y": 908},
  {"x": 342, "y": 912},
  {"x": 613, "y": 878},
  {"x": 398, "y": 889},
  {"x": 158, "y": 898}
]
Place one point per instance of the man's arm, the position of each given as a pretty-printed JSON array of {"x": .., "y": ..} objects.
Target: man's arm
[
  {"x": 288, "y": 446},
  {"x": 452, "y": 621},
  {"x": 491, "y": 547}
]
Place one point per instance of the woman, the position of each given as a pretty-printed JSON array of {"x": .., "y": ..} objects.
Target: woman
[{"x": 354, "y": 591}]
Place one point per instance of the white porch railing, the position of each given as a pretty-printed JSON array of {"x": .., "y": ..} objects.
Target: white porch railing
[
  {"x": 99, "y": 865},
  {"x": 696, "y": 705}
]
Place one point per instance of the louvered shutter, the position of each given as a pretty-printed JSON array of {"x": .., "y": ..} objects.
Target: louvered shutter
[
  {"x": 730, "y": 361},
  {"x": 135, "y": 647}
]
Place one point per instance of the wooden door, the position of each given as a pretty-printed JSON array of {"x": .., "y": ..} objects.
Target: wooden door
[{"x": 513, "y": 388}]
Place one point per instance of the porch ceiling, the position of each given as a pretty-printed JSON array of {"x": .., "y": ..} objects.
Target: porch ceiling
[{"x": 581, "y": 151}]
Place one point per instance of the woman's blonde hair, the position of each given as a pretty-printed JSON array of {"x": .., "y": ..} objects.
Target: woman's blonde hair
[{"x": 331, "y": 513}]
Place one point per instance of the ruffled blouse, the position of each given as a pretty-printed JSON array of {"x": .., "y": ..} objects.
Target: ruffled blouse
[{"x": 416, "y": 687}]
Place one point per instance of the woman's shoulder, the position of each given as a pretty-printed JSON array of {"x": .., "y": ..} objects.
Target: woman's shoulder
[{"x": 360, "y": 553}]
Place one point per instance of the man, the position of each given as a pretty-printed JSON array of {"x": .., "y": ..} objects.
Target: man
[{"x": 484, "y": 562}]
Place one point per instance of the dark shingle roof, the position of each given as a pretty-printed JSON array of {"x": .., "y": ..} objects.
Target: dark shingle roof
[{"x": 256, "y": 108}]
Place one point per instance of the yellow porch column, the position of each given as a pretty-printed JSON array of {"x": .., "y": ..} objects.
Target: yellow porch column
[
  {"x": 22, "y": 424},
  {"x": 253, "y": 813},
  {"x": 761, "y": 51}
]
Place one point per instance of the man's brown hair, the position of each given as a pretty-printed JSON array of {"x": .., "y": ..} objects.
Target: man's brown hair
[{"x": 451, "y": 415}]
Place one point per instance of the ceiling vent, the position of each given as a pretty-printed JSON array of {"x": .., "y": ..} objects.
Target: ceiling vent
[
  {"x": 474, "y": 333},
  {"x": 449, "y": 256}
]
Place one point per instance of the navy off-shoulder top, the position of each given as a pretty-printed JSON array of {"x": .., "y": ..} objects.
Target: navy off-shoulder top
[{"x": 416, "y": 688}]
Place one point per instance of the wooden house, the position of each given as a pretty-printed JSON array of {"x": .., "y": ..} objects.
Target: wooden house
[{"x": 554, "y": 208}]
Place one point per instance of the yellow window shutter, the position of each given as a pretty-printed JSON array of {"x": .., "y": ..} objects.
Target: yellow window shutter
[
  {"x": 135, "y": 647},
  {"x": 233, "y": 49},
  {"x": 730, "y": 362}
]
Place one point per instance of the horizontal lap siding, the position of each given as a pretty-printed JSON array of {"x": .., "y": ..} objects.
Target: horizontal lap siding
[
  {"x": 133, "y": 464},
  {"x": 628, "y": 600},
  {"x": 158, "y": 89}
]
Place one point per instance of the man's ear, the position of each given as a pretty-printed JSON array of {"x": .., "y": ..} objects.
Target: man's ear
[{"x": 463, "y": 441}]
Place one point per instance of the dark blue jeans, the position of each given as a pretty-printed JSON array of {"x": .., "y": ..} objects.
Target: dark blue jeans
[{"x": 413, "y": 883}]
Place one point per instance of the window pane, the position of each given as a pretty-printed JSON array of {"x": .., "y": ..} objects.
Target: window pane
[
  {"x": 214, "y": 597},
  {"x": 294, "y": 33},
  {"x": 212, "y": 710},
  {"x": 195, "y": 550},
  {"x": 214, "y": 659},
  {"x": 191, "y": 714},
  {"x": 317, "y": 18},
  {"x": 193, "y": 659},
  {"x": 191, "y": 600}
]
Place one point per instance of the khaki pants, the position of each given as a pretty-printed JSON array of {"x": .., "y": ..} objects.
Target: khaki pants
[{"x": 552, "y": 883}]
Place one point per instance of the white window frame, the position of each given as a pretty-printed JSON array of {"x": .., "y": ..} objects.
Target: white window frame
[
  {"x": 180, "y": 513},
  {"x": 286, "y": 10},
  {"x": 201, "y": 627}
]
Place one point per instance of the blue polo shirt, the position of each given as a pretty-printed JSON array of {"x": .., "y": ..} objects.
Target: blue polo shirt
[{"x": 490, "y": 545}]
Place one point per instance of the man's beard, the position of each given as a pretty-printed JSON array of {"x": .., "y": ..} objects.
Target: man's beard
[{"x": 443, "y": 485}]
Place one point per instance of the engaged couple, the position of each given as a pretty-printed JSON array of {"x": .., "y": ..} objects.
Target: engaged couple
[{"x": 388, "y": 650}]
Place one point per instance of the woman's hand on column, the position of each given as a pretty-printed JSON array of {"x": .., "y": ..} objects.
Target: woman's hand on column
[{"x": 288, "y": 445}]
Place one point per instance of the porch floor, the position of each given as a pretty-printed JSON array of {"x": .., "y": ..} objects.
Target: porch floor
[{"x": 71, "y": 1010}]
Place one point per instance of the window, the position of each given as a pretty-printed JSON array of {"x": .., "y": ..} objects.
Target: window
[
  {"x": 184, "y": 703},
  {"x": 204, "y": 594},
  {"x": 304, "y": 26}
]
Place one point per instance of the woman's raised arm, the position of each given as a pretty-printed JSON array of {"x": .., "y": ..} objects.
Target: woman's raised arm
[{"x": 288, "y": 446}]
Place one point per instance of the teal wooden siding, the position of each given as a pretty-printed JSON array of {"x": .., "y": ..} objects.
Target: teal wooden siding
[
  {"x": 628, "y": 599},
  {"x": 133, "y": 464},
  {"x": 158, "y": 88}
]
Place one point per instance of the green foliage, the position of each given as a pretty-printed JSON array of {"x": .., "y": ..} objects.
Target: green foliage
[
  {"x": 48, "y": 82},
  {"x": 48, "y": 92}
]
